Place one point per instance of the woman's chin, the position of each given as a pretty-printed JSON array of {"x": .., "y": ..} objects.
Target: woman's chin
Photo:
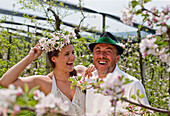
[{"x": 70, "y": 69}]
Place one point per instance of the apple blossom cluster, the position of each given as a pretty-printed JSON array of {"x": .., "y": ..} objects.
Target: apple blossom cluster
[
  {"x": 56, "y": 41},
  {"x": 8, "y": 99},
  {"x": 160, "y": 19},
  {"x": 109, "y": 86},
  {"x": 79, "y": 81},
  {"x": 112, "y": 86},
  {"x": 50, "y": 103},
  {"x": 127, "y": 16},
  {"x": 148, "y": 46},
  {"x": 46, "y": 104},
  {"x": 153, "y": 17},
  {"x": 134, "y": 110}
]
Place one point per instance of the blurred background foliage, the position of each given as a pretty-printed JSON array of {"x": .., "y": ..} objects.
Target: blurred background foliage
[{"x": 15, "y": 47}]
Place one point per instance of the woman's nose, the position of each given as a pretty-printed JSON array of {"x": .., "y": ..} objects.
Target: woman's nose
[{"x": 72, "y": 57}]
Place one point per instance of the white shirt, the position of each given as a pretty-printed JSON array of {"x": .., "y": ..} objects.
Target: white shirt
[
  {"x": 99, "y": 105},
  {"x": 77, "y": 105}
]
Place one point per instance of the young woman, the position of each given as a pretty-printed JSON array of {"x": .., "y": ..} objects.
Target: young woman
[{"x": 61, "y": 55}]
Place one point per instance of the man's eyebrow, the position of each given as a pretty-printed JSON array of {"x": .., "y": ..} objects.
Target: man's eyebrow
[
  {"x": 106, "y": 48},
  {"x": 97, "y": 48},
  {"x": 109, "y": 48}
]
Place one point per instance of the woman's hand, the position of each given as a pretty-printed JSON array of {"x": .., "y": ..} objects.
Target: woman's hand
[
  {"x": 89, "y": 71},
  {"x": 35, "y": 52}
]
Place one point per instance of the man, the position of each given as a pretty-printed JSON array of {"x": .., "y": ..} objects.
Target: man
[{"x": 106, "y": 54}]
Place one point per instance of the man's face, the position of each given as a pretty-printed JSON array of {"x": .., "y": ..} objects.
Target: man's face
[{"x": 105, "y": 58}]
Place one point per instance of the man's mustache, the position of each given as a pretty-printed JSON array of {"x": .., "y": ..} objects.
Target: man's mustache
[{"x": 103, "y": 59}]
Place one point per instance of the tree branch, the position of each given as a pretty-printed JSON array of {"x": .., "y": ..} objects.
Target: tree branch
[
  {"x": 47, "y": 15},
  {"x": 144, "y": 9},
  {"x": 148, "y": 107},
  {"x": 77, "y": 30},
  {"x": 57, "y": 19}
]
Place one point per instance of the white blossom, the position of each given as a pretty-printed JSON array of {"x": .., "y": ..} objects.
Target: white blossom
[
  {"x": 51, "y": 102},
  {"x": 112, "y": 85},
  {"x": 153, "y": 9},
  {"x": 127, "y": 16},
  {"x": 38, "y": 95},
  {"x": 166, "y": 9},
  {"x": 57, "y": 42},
  {"x": 64, "y": 106},
  {"x": 148, "y": 46},
  {"x": 161, "y": 30},
  {"x": 164, "y": 56},
  {"x": 8, "y": 99},
  {"x": 168, "y": 70}
]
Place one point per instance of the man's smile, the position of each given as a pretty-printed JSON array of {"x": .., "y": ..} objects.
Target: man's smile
[{"x": 102, "y": 62}]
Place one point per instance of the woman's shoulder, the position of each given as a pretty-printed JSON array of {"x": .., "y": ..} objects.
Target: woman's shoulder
[
  {"x": 45, "y": 83},
  {"x": 41, "y": 78}
]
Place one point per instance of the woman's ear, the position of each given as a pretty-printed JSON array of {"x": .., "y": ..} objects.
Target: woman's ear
[{"x": 53, "y": 59}]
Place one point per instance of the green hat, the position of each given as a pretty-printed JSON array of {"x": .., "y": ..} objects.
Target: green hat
[{"x": 108, "y": 38}]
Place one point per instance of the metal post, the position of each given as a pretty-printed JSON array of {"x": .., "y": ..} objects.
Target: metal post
[
  {"x": 9, "y": 47},
  {"x": 104, "y": 22},
  {"x": 48, "y": 67}
]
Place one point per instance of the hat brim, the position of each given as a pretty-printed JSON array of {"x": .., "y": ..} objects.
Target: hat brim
[{"x": 119, "y": 49}]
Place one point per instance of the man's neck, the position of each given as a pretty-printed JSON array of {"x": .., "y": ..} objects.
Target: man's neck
[{"x": 104, "y": 75}]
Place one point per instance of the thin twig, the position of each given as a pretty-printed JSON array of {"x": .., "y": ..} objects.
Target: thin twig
[
  {"x": 144, "y": 9},
  {"x": 148, "y": 107},
  {"x": 46, "y": 14},
  {"x": 77, "y": 30},
  {"x": 28, "y": 108}
]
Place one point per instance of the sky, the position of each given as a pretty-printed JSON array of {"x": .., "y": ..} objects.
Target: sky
[{"x": 113, "y": 7}]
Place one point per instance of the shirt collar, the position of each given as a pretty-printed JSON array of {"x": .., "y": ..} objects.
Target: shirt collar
[{"x": 95, "y": 73}]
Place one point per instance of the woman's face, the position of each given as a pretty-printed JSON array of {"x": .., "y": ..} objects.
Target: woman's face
[{"x": 65, "y": 58}]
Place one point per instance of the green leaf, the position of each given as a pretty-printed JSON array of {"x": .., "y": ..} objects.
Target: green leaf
[
  {"x": 71, "y": 79},
  {"x": 61, "y": 4},
  {"x": 146, "y": 29},
  {"x": 137, "y": 92},
  {"x": 33, "y": 89},
  {"x": 140, "y": 26},
  {"x": 145, "y": 1},
  {"x": 26, "y": 88},
  {"x": 133, "y": 97},
  {"x": 141, "y": 96},
  {"x": 121, "y": 78},
  {"x": 72, "y": 85},
  {"x": 134, "y": 3},
  {"x": 138, "y": 12},
  {"x": 127, "y": 81},
  {"x": 79, "y": 78}
]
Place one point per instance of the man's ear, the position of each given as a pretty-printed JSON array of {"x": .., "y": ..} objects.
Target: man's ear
[
  {"x": 53, "y": 59},
  {"x": 117, "y": 58}
]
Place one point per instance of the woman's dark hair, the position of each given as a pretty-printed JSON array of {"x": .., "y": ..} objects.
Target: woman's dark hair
[
  {"x": 50, "y": 55},
  {"x": 55, "y": 53}
]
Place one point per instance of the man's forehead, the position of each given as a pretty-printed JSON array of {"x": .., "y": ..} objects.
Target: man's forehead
[{"x": 104, "y": 45}]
